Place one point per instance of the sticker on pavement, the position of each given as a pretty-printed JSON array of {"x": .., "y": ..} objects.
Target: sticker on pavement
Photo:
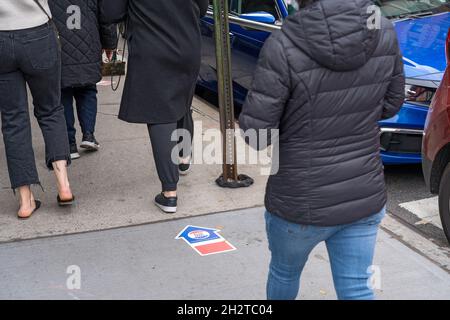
[{"x": 205, "y": 241}]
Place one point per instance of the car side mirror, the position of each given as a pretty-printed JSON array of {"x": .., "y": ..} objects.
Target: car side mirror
[{"x": 262, "y": 17}]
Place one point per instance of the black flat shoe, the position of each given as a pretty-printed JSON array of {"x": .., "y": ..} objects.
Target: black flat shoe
[
  {"x": 38, "y": 205},
  {"x": 64, "y": 203},
  {"x": 168, "y": 205}
]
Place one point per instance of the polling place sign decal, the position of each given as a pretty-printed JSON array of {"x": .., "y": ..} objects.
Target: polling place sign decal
[{"x": 205, "y": 241}]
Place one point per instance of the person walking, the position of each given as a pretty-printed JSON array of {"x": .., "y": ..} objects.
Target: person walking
[
  {"x": 83, "y": 37},
  {"x": 325, "y": 80},
  {"x": 164, "y": 42},
  {"x": 30, "y": 54}
]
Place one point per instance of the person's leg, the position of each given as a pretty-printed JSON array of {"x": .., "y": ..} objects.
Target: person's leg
[
  {"x": 86, "y": 98},
  {"x": 185, "y": 128},
  {"x": 351, "y": 252},
  {"x": 27, "y": 202},
  {"x": 41, "y": 65},
  {"x": 186, "y": 123},
  {"x": 163, "y": 147},
  {"x": 67, "y": 96},
  {"x": 16, "y": 130},
  {"x": 290, "y": 245}
]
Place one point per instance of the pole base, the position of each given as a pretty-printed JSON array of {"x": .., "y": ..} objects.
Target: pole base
[{"x": 243, "y": 181}]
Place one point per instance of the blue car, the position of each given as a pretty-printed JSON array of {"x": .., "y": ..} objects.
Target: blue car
[{"x": 422, "y": 27}]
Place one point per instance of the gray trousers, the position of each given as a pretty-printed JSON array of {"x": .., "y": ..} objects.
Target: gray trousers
[
  {"x": 31, "y": 56},
  {"x": 163, "y": 146}
]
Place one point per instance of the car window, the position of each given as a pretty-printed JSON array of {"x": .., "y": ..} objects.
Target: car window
[
  {"x": 419, "y": 95},
  {"x": 397, "y": 8},
  {"x": 239, "y": 7},
  {"x": 252, "y": 6}
]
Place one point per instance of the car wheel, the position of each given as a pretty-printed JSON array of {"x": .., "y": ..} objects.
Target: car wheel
[{"x": 444, "y": 201}]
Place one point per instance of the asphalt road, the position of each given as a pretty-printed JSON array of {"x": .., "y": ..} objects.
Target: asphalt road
[{"x": 405, "y": 185}]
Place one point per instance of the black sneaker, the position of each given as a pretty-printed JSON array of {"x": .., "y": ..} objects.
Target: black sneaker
[
  {"x": 184, "y": 168},
  {"x": 89, "y": 142},
  {"x": 168, "y": 205},
  {"x": 74, "y": 152}
]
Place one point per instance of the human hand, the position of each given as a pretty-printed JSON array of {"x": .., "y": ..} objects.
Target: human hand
[{"x": 109, "y": 53}]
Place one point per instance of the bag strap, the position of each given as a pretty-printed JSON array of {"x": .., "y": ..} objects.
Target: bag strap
[
  {"x": 50, "y": 21},
  {"x": 43, "y": 10},
  {"x": 114, "y": 88}
]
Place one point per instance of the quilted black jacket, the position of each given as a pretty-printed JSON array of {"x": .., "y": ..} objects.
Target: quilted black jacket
[
  {"x": 325, "y": 80},
  {"x": 82, "y": 48}
]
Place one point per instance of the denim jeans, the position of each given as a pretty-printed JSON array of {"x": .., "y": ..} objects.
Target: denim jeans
[
  {"x": 31, "y": 56},
  {"x": 86, "y": 104},
  {"x": 350, "y": 248}
]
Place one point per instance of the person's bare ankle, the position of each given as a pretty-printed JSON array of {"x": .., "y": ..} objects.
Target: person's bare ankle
[
  {"x": 65, "y": 193},
  {"x": 27, "y": 206},
  {"x": 185, "y": 160},
  {"x": 170, "y": 194}
]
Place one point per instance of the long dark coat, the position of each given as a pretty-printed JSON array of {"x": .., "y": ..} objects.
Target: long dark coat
[
  {"x": 82, "y": 48},
  {"x": 164, "y": 56},
  {"x": 325, "y": 80}
]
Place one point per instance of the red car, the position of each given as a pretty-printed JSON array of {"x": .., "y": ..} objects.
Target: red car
[{"x": 436, "y": 146}]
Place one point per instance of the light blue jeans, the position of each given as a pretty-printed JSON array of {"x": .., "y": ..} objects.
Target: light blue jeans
[{"x": 350, "y": 248}]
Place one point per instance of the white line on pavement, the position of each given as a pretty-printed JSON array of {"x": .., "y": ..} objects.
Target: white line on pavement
[{"x": 427, "y": 210}]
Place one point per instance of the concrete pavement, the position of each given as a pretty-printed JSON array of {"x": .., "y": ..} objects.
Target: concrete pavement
[
  {"x": 116, "y": 186},
  {"x": 146, "y": 262}
]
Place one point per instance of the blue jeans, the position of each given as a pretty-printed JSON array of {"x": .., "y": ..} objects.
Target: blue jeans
[
  {"x": 86, "y": 101},
  {"x": 350, "y": 248}
]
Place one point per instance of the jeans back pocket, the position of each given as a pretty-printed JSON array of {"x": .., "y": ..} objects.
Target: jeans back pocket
[{"x": 42, "y": 50}]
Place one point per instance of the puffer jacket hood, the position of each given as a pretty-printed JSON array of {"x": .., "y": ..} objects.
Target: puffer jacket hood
[{"x": 334, "y": 33}]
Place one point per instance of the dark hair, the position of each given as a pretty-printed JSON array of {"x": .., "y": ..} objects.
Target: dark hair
[{"x": 304, "y": 3}]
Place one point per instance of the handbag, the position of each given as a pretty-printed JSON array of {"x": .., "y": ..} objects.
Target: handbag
[{"x": 115, "y": 67}]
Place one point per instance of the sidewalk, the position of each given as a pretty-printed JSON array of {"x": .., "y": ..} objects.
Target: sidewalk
[
  {"x": 146, "y": 262},
  {"x": 116, "y": 186}
]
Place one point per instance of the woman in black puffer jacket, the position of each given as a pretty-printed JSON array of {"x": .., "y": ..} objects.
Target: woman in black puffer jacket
[{"x": 325, "y": 80}]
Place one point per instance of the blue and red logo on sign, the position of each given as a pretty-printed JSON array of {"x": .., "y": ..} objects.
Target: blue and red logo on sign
[
  {"x": 194, "y": 234},
  {"x": 205, "y": 241}
]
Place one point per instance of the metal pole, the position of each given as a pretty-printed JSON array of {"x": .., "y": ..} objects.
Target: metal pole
[{"x": 230, "y": 177}]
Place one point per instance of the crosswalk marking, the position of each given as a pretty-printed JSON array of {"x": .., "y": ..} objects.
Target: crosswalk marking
[{"x": 427, "y": 210}]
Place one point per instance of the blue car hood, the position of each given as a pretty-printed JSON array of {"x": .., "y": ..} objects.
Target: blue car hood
[{"x": 422, "y": 42}]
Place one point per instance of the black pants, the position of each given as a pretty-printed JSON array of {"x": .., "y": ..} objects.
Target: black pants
[
  {"x": 31, "y": 56},
  {"x": 165, "y": 149}
]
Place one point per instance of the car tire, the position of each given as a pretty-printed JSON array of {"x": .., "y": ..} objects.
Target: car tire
[{"x": 444, "y": 201}]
